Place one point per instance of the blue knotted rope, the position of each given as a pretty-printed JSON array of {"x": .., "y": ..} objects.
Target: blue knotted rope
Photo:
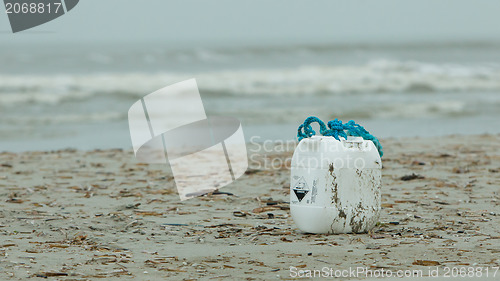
[{"x": 336, "y": 129}]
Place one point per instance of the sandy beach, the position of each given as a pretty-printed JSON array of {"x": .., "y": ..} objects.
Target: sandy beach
[
  {"x": 88, "y": 215},
  {"x": 89, "y": 89}
]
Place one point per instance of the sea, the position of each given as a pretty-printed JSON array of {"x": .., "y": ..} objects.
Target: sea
[{"x": 78, "y": 96}]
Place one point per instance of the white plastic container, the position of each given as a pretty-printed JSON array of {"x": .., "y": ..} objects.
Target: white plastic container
[{"x": 335, "y": 185}]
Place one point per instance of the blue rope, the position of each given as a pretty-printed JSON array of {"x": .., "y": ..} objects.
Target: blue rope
[{"x": 336, "y": 129}]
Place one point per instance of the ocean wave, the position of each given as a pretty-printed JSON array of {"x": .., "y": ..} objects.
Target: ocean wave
[
  {"x": 364, "y": 111},
  {"x": 409, "y": 110},
  {"x": 380, "y": 76},
  {"x": 59, "y": 118}
]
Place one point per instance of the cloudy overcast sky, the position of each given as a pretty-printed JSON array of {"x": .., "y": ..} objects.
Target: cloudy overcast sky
[{"x": 226, "y": 22}]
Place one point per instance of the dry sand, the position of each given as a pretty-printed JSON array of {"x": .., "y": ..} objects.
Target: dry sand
[{"x": 74, "y": 215}]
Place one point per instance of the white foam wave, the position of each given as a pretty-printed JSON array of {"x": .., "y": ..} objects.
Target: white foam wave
[{"x": 376, "y": 76}]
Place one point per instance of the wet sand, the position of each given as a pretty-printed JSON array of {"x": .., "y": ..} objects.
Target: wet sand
[{"x": 85, "y": 215}]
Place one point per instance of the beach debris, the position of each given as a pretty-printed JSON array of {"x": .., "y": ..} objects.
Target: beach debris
[
  {"x": 374, "y": 236},
  {"x": 161, "y": 191},
  {"x": 14, "y": 200},
  {"x": 284, "y": 239},
  {"x": 460, "y": 170},
  {"x": 413, "y": 176},
  {"x": 127, "y": 193},
  {"x": 217, "y": 192},
  {"x": 149, "y": 213},
  {"x": 441, "y": 203},
  {"x": 265, "y": 209},
  {"x": 271, "y": 205},
  {"x": 131, "y": 224},
  {"x": 240, "y": 214},
  {"x": 51, "y": 274},
  {"x": 270, "y": 201},
  {"x": 406, "y": 201},
  {"x": 220, "y": 225},
  {"x": 316, "y": 186},
  {"x": 252, "y": 171},
  {"x": 426, "y": 263},
  {"x": 132, "y": 206}
]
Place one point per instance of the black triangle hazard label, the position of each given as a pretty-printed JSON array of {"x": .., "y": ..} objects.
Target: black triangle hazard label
[
  {"x": 301, "y": 189},
  {"x": 300, "y": 193}
]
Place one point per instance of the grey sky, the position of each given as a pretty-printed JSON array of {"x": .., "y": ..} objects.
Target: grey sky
[{"x": 229, "y": 22}]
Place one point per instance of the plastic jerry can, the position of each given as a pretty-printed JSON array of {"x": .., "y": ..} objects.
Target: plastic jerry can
[{"x": 335, "y": 185}]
